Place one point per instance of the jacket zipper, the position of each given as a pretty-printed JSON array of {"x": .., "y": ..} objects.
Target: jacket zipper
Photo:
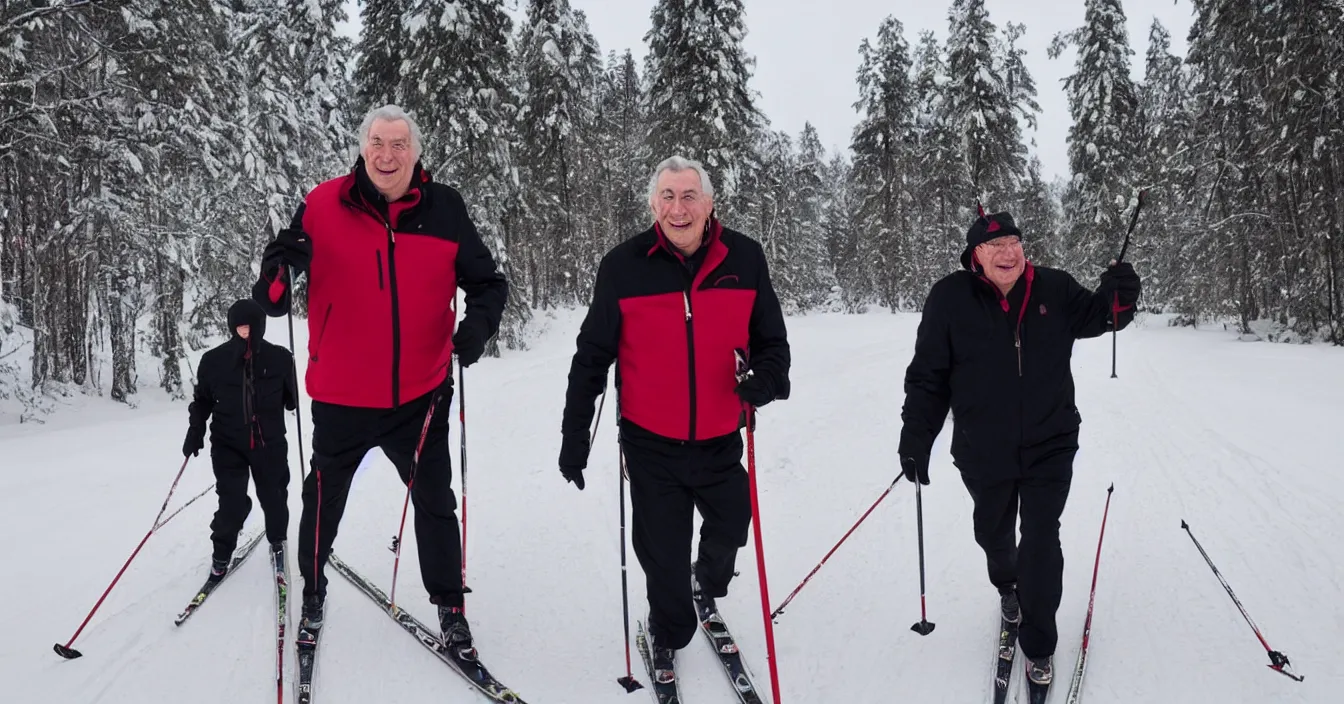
[
  {"x": 378, "y": 255},
  {"x": 249, "y": 398},
  {"x": 690, "y": 354},
  {"x": 317, "y": 348},
  {"x": 1017, "y": 341},
  {"x": 396, "y": 317}
]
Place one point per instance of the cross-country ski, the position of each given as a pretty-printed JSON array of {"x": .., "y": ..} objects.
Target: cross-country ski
[{"x": 213, "y": 581}]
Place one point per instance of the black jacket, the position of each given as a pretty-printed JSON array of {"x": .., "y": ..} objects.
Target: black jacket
[
  {"x": 245, "y": 385},
  {"x": 1002, "y": 368}
]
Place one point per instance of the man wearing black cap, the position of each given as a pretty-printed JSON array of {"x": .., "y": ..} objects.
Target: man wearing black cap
[
  {"x": 246, "y": 385},
  {"x": 994, "y": 346}
]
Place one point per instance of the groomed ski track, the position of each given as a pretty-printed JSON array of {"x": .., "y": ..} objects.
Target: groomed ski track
[{"x": 1242, "y": 439}]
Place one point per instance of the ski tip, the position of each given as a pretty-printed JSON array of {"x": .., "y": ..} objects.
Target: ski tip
[
  {"x": 630, "y": 683},
  {"x": 66, "y": 652}
]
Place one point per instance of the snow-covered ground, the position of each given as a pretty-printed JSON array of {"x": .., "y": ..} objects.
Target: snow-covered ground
[{"x": 1243, "y": 440}]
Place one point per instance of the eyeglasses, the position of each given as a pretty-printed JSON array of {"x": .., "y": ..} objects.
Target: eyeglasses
[{"x": 1003, "y": 242}]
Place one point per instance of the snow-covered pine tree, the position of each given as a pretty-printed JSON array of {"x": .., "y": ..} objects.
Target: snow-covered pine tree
[
  {"x": 883, "y": 150},
  {"x": 1102, "y": 139},
  {"x": 560, "y": 66},
  {"x": 292, "y": 130},
  {"x": 48, "y": 158},
  {"x": 322, "y": 61},
  {"x": 982, "y": 110},
  {"x": 941, "y": 179},
  {"x": 626, "y": 164},
  {"x": 816, "y": 275},
  {"x": 1039, "y": 218},
  {"x": 1230, "y": 44},
  {"x": 460, "y": 84},
  {"x": 176, "y": 132},
  {"x": 769, "y": 214},
  {"x": 381, "y": 43},
  {"x": 839, "y": 213},
  {"x": 1021, "y": 90},
  {"x": 1304, "y": 100},
  {"x": 1020, "y": 85},
  {"x": 700, "y": 104},
  {"x": 1160, "y": 251}
]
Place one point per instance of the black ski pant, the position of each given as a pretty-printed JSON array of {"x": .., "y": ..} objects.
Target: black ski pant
[
  {"x": 1036, "y": 565},
  {"x": 269, "y": 465},
  {"x": 342, "y": 435},
  {"x": 669, "y": 480}
]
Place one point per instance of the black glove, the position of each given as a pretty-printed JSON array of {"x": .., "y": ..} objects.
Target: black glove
[
  {"x": 292, "y": 248},
  {"x": 468, "y": 344},
  {"x": 573, "y": 474},
  {"x": 755, "y": 390},
  {"x": 574, "y": 457},
  {"x": 1120, "y": 279},
  {"x": 915, "y": 467},
  {"x": 194, "y": 443}
]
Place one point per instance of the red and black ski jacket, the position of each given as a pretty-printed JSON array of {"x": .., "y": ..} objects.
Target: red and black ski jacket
[
  {"x": 1001, "y": 364},
  {"x": 382, "y": 286},
  {"x": 672, "y": 324}
]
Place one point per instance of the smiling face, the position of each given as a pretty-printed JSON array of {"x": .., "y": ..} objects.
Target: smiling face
[
  {"x": 389, "y": 157},
  {"x": 681, "y": 207},
  {"x": 1002, "y": 260}
]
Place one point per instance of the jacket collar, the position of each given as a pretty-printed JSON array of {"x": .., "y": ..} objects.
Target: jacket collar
[{"x": 360, "y": 192}]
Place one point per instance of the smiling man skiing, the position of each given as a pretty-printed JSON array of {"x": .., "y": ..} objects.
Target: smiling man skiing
[
  {"x": 994, "y": 346},
  {"x": 385, "y": 248},
  {"x": 671, "y": 306}
]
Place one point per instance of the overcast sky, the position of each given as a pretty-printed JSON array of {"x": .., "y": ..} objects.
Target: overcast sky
[{"x": 806, "y": 52}]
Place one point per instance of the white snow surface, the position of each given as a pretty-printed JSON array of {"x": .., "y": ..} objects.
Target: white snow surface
[{"x": 1241, "y": 439}]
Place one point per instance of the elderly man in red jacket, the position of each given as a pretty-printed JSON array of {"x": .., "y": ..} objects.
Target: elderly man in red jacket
[
  {"x": 675, "y": 307},
  {"x": 385, "y": 249}
]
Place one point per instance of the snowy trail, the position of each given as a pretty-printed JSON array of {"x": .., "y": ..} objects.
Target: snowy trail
[{"x": 1243, "y": 440}]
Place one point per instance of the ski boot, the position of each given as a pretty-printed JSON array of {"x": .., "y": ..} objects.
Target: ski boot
[
  {"x": 1012, "y": 610},
  {"x": 218, "y": 568},
  {"x": 1040, "y": 671},
  {"x": 664, "y": 661},
  {"x": 456, "y": 632},
  {"x": 310, "y": 621}
]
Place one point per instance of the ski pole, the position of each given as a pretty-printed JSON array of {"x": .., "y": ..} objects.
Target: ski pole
[
  {"x": 1278, "y": 661},
  {"x": 66, "y": 651},
  {"x": 462, "y": 420},
  {"x": 189, "y": 502},
  {"x": 1115, "y": 299},
  {"x": 629, "y": 681},
  {"x": 775, "y": 614},
  {"x": 743, "y": 371},
  {"x": 923, "y": 626},
  {"x": 760, "y": 555},
  {"x": 298, "y": 406},
  {"x": 410, "y": 481},
  {"x": 1076, "y": 686}
]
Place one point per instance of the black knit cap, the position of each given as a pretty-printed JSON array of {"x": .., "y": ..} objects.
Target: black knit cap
[{"x": 986, "y": 228}]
